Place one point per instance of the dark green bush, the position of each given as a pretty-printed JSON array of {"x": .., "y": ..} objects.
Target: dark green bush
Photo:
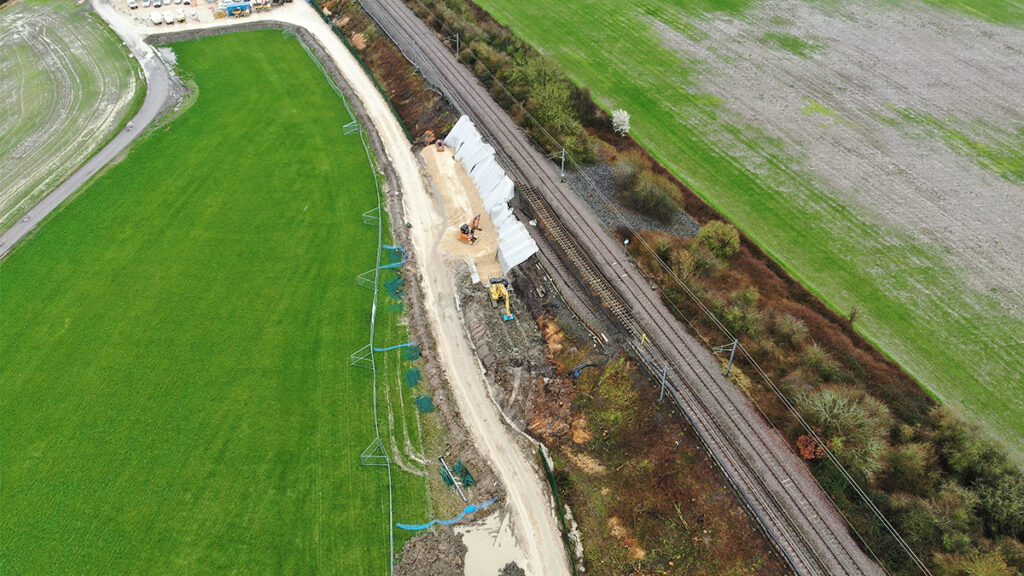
[
  {"x": 721, "y": 238},
  {"x": 909, "y": 469}
]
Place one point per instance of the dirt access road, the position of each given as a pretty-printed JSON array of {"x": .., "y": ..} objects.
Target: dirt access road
[{"x": 527, "y": 498}]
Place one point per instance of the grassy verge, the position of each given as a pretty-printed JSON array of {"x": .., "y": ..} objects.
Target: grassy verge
[{"x": 177, "y": 391}]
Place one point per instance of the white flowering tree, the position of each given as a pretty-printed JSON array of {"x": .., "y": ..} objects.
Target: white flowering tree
[{"x": 620, "y": 122}]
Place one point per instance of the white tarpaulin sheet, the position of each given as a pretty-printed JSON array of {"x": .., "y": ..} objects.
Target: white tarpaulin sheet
[
  {"x": 495, "y": 189},
  {"x": 459, "y": 132},
  {"x": 514, "y": 245}
]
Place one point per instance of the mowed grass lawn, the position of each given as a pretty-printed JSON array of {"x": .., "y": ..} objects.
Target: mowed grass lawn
[
  {"x": 960, "y": 343},
  {"x": 174, "y": 345}
]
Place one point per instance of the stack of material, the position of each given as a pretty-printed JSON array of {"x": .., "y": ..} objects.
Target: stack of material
[{"x": 495, "y": 189}]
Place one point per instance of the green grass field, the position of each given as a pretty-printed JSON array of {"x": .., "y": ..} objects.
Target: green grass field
[
  {"x": 912, "y": 301},
  {"x": 69, "y": 85},
  {"x": 176, "y": 389}
]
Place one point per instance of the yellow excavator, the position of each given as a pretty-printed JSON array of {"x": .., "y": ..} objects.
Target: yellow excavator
[{"x": 499, "y": 291}]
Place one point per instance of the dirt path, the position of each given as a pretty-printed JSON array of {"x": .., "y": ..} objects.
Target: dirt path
[{"x": 527, "y": 502}]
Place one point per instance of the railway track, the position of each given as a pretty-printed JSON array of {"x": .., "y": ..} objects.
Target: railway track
[{"x": 773, "y": 483}]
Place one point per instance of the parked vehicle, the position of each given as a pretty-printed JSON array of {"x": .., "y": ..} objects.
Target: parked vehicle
[
  {"x": 155, "y": 18},
  {"x": 168, "y": 17},
  {"x": 157, "y": 3},
  {"x": 132, "y": 4},
  {"x": 147, "y": 3},
  {"x": 180, "y": 15}
]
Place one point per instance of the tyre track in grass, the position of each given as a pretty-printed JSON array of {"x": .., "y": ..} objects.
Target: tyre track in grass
[
  {"x": 158, "y": 81},
  {"x": 84, "y": 97}
]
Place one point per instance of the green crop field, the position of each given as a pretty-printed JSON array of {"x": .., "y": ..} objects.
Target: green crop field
[
  {"x": 176, "y": 389},
  {"x": 753, "y": 105},
  {"x": 68, "y": 85}
]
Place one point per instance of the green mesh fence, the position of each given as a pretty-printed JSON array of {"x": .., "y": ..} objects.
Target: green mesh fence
[
  {"x": 446, "y": 477},
  {"x": 394, "y": 254},
  {"x": 412, "y": 377},
  {"x": 394, "y": 287},
  {"x": 425, "y": 404},
  {"x": 411, "y": 353},
  {"x": 464, "y": 475}
]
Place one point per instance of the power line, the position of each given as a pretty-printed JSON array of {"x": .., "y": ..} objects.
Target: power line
[{"x": 789, "y": 405}]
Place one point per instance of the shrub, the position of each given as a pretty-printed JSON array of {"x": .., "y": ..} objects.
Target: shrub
[
  {"x": 854, "y": 425},
  {"x": 683, "y": 264},
  {"x": 721, "y": 238},
  {"x": 1002, "y": 505},
  {"x": 973, "y": 564},
  {"x": 620, "y": 122},
  {"x": 741, "y": 314},
  {"x": 652, "y": 195},
  {"x": 978, "y": 463},
  {"x": 704, "y": 262},
  {"x": 1013, "y": 552},
  {"x": 910, "y": 468},
  {"x": 820, "y": 362},
  {"x": 790, "y": 330},
  {"x": 663, "y": 250},
  {"x": 965, "y": 450},
  {"x": 626, "y": 169},
  {"x": 943, "y": 521}
]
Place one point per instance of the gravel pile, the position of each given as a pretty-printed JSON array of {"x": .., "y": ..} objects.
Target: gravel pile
[{"x": 595, "y": 184}]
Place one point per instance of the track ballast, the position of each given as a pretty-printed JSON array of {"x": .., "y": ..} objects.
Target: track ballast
[{"x": 773, "y": 483}]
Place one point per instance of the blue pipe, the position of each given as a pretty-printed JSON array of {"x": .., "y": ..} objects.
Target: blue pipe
[
  {"x": 468, "y": 510},
  {"x": 397, "y": 346}
]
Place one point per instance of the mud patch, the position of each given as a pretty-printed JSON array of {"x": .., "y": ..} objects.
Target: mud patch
[
  {"x": 578, "y": 429},
  {"x": 585, "y": 462},
  {"x": 359, "y": 41},
  {"x": 621, "y": 533},
  {"x": 438, "y": 553}
]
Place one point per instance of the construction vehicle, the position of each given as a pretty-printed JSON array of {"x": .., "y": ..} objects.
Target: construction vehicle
[
  {"x": 467, "y": 232},
  {"x": 499, "y": 291}
]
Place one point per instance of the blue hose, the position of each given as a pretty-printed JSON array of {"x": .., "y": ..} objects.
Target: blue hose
[{"x": 468, "y": 510}]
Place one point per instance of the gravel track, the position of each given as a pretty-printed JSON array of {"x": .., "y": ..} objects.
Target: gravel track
[{"x": 774, "y": 483}]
